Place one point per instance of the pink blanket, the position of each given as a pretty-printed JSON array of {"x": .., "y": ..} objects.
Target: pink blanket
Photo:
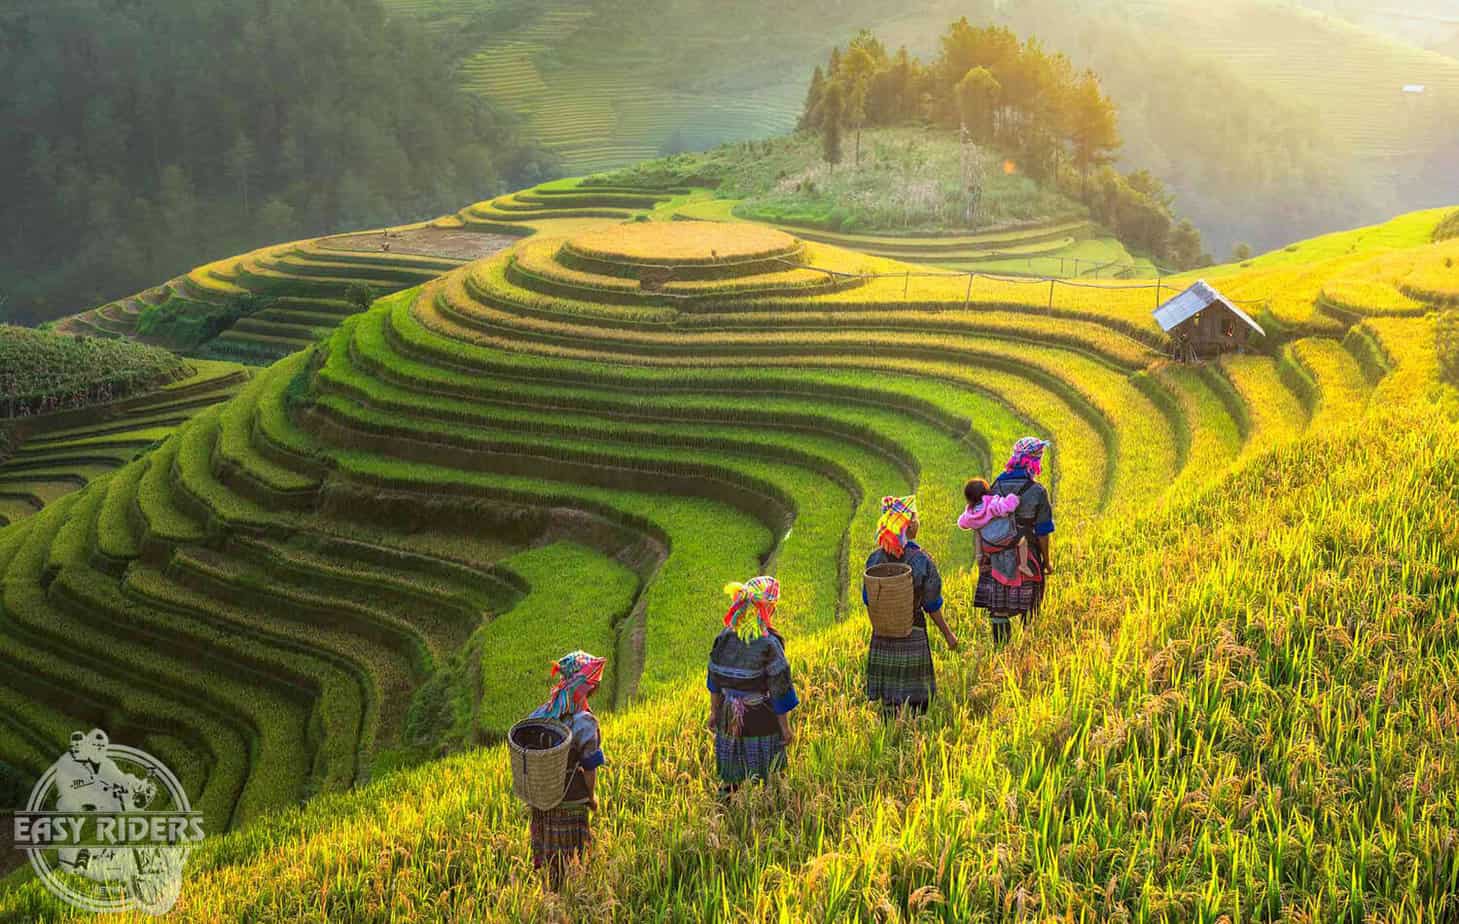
[{"x": 990, "y": 508}]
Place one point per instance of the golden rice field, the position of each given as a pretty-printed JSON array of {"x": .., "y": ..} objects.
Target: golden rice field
[{"x": 1238, "y": 705}]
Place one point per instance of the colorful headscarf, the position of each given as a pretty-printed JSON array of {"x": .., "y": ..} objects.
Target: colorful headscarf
[
  {"x": 578, "y": 675},
  {"x": 897, "y": 513},
  {"x": 761, "y": 593},
  {"x": 1028, "y": 454}
]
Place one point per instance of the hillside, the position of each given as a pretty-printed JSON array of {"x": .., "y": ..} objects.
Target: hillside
[
  {"x": 1277, "y": 123},
  {"x": 264, "y": 305},
  {"x": 144, "y": 138},
  {"x": 261, "y": 306},
  {"x": 1196, "y": 716},
  {"x": 904, "y": 200},
  {"x": 1352, "y": 78},
  {"x": 74, "y": 409},
  {"x": 611, "y": 82},
  {"x": 1425, "y": 23}
]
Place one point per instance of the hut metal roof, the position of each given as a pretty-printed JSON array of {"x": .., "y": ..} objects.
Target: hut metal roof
[{"x": 1194, "y": 300}]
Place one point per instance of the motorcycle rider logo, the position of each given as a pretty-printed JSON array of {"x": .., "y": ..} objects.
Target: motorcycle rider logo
[{"x": 108, "y": 828}]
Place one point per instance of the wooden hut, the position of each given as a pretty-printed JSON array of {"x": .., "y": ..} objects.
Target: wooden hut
[{"x": 1202, "y": 322}]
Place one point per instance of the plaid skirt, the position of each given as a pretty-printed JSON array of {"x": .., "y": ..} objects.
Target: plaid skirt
[
  {"x": 559, "y": 834},
  {"x": 992, "y": 595},
  {"x": 899, "y": 671},
  {"x": 747, "y": 758}
]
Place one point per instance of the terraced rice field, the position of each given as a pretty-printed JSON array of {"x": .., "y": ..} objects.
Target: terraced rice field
[
  {"x": 60, "y": 453},
  {"x": 307, "y": 283},
  {"x": 379, "y": 543},
  {"x": 1062, "y": 249},
  {"x": 559, "y": 206},
  {"x": 1354, "y": 79},
  {"x": 597, "y": 112},
  {"x": 438, "y": 16}
]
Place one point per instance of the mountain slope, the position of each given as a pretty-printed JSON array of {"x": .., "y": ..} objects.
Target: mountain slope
[
  {"x": 362, "y": 556},
  {"x": 1299, "y": 118}
]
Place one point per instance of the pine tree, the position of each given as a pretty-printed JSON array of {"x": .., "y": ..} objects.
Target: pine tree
[
  {"x": 854, "y": 77},
  {"x": 810, "y": 114},
  {"x": 275, "y": 220},
  {"x": 1093, "y": 128},
  {"x": 241, "y": 164},
  {"x": 832, "y": 113},
  {"x": 977, "y": 94}
]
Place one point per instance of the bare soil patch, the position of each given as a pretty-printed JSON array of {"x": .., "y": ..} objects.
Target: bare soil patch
[{"x": 448, "y": 243}]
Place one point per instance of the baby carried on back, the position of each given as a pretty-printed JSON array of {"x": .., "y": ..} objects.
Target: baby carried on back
[{"x": 992, "y": 515}]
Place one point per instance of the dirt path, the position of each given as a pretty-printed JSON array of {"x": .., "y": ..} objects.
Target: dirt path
[{"x": 449, "y": 243}]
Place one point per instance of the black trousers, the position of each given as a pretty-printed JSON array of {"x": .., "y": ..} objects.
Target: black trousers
[{"x": 1003, "y": 624}]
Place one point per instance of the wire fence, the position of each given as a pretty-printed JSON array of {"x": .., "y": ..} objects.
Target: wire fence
[{"x": 663, "y": 274}]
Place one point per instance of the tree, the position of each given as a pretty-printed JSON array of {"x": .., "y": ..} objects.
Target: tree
[
  {"x": 817, "y": 89},
  {"x": 1185, "y": 246},
  {"x": 241, "y": 166},
  {"x": 977, "y": 94},
  {"x": 1093, "y": 128},
  {"x": 1241, "y": 252},
  {"x": 857, "y": 69},
  {"x": 832, "y": 114},
  {"x": 894, "y": 94},
  {"x": 360, "y": 296},
  {"x": 965, "y": 47},
  {"x": 178, "y": 202},
  {"x": 973, "y": 179},
  {"x": 276, "y": 220}
]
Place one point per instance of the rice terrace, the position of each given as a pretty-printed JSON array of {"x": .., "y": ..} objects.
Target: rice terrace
[{"x": 678, "y": 461}]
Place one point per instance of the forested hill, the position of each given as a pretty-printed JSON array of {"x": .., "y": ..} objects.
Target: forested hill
[
  {"x": 143, "y": 137},
  {"x": 1269, "y": 122},
  {"x": 1042, "y": 117}
]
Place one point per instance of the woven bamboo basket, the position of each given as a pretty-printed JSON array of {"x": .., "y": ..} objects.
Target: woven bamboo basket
[
  {"x": 889, "y": 599},
  {"x": 540, "y": 749}
]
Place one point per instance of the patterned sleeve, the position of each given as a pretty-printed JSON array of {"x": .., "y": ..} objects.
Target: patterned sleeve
[
  {"x": 588, "y": 739},
  {"x": 1043, "y": 519},
  {"x": 709, "y": 681},
  {"x": 777, "y": 673},
  {"x": 931, "y": 587}
]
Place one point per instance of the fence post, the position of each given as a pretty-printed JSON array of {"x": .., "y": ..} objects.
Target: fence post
[
  {"x": 1158, "y": 282},
  {"x": 906, "y": 284},
  {"x": 1051, "y": 295},
  {"x": 968, "y": 298}
]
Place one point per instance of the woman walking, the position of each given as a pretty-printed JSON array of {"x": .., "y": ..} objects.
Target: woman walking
[
  {"x": 560, "y": 835},
  {"x": 751, "y": 693},
  {"x": 899, "y": 673},
  {"x": 1034, "y": 518}
]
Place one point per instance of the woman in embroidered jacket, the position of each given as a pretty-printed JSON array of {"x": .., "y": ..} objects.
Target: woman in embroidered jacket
[
  {"x": 751, "y": 692},
  {"x": 1035, "y": 520},
  {"x": 561, "y": 834},
  {"x": 899, "y": 672}
]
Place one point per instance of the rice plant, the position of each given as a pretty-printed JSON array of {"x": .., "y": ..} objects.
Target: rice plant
[{"x": 1236, "y": 704}]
